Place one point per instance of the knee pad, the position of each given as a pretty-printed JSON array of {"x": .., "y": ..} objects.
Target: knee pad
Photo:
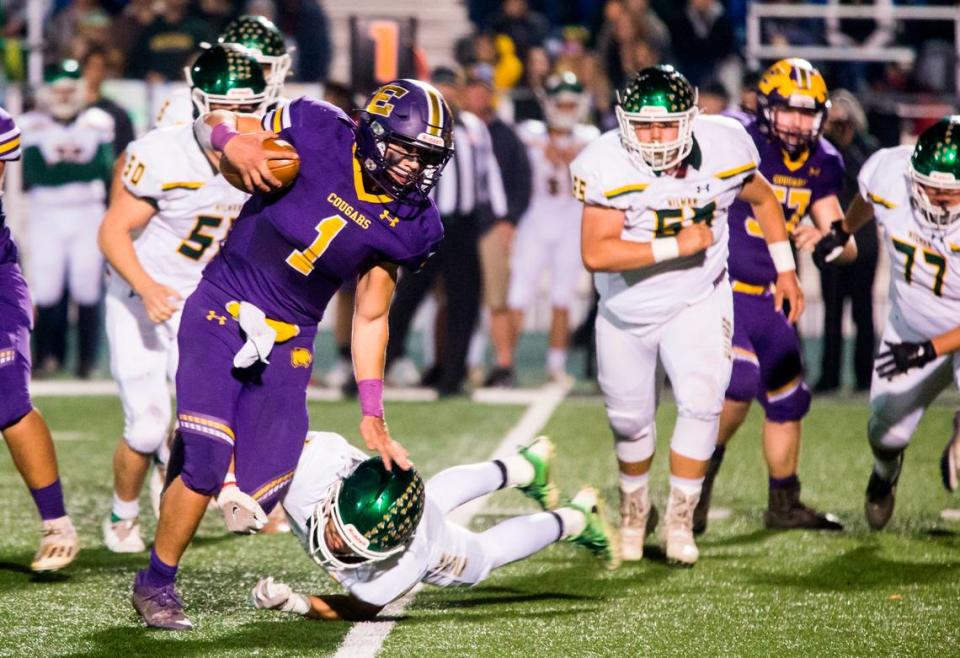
[
  {"x": 634, "y": 440},
  {"x": 790, "y": 405},
  {"x": 145, "y": 429},
  {"x": 695, "y": 437},
  {"x": 744, "y": 378},
  {"x": 205, "y": 463}
]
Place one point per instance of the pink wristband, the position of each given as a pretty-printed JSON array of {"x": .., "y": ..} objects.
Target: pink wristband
[
  {"x": 220, "y": 135},
  {"x": 370, "y": 392}
]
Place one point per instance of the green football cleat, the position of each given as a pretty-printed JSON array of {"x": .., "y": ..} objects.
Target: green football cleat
[
  {"x": 597, "y": 537},
  {"x": 542, "y": 489}
]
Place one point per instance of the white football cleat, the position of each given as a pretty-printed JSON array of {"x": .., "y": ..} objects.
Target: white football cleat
[
  {"x": 339, "y": 374},
  {"x": 123, "y": 536},
  {"x": 58, "y": 546},
  {"x": 678, "y": 528},
  {"x": 637, "y": 518},
  {"x": 403, "y": 373}
]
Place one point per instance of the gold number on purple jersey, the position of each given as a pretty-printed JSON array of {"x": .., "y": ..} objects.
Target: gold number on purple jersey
[
  {"x": 796, "y": 199},
  {"x": 327, "y": 230}
]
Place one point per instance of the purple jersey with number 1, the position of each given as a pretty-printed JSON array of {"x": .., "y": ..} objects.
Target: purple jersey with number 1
[
  {"x": 288, "y": 253},
  {"x": 16, "y": 312},
  {"x": 798, "y": 185}
]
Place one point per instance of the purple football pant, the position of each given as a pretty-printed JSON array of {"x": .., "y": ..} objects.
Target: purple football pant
[
  {"x": 767, "y": 362},
  {"x": 16, "y": 313},
  {"x": 258, "y": 414}
]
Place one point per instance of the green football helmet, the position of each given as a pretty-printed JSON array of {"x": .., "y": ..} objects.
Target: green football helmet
[
  {"x": 264, "y": 41},
  {"x": 567, "y": 104},
  {"x": 62, "y": 93},
  {"x": 373, "y": 512},
  {"x": 228, "y": 77},
  {"x": 657, "y": 94},
  {"x": 935, "y": 163}
]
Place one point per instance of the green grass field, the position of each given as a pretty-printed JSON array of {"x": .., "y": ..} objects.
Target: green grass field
[{"x": 754, "y": 592}]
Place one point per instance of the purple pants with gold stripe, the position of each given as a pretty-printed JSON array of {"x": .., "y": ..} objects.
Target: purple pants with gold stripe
[
  {"x": 257, "y": 415},
  {"x": 767, "y": 362},
  {"x": 16, "y": 313}
]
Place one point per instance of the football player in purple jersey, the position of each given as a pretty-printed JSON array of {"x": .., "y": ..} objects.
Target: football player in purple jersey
[
  {"x": 359, "y": 207},
  {"x": 23, "y": 428},
  {"x": 806, "y": 173}
]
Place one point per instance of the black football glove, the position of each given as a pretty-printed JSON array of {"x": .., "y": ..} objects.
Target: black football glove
[
  {"x": 900, "y": 357},
  {"x": 831, "y": 245}
]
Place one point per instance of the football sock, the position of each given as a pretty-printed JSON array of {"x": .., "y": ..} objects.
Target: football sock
[
  {"x": 518, "y": 471},
  {"x": 159, "y": 573},
  {"x": 788, "y": 482},
  {"x": 49, "y": 501},
  {"x": 630, "y": 483},
  {"x": 556, "y": 360},
  {"x": 573, "y": 521},
  {"x": 688, "y": 486},
  {"x": 519, "y": 537},
  {"x": 718, "y": 452},
  {"x": 344, "y": 352},
  {"x": 124, "y": 509},
  {"x": 452, "y": 487},
  {"x": 88, "y": 333},
  {"x": 888, "y": 469}
]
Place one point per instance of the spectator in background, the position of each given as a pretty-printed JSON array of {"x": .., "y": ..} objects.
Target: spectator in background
[
  {"x": 748, "y": 92},
  {"x": 525, "y": 28},
  {"x": 130, "y": 24},
  {"x": 95, "y": 68},
  {"x": 846, "y": 129},
  {"x": 498, "y": 216},
  {"x": 458, "y": 197},
  {"x": 707, "y": 37},
  {"x": 854, "y": 33},
  {"x": 165, "y": 45},
  {"x": 632, "y": 37},
  {"x": 71, "y": 30},
  {"x": 713, "y": 97},
  {"x": 792, "y": 31},
  {"x": 306, "y": 22},
  {"x": 526, "y": 96}
]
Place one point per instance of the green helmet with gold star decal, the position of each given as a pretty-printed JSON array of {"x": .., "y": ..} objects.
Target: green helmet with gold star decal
[
  {"x": 373, "y": 512},
  {"x": 227, "y": 77},
  {"x": 264, "y": 41},
  {"x": 935, "y": 165},
  {"x": 658, "y": 95}
]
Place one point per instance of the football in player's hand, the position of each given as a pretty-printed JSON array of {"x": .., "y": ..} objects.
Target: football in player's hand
[{"x": 285, "y": 169}]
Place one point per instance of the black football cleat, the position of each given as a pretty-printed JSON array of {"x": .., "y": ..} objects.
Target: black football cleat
[
  {"x": 786, "y": 512},
  {"x": 950, "y": 461},
  {"x": 881, "y": 496}
]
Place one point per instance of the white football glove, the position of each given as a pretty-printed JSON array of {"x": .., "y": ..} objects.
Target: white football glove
[
  {"x": 241, "y": 513},
  {"x": 270, "y": 595},
  {"x": 260, "y": 336}
]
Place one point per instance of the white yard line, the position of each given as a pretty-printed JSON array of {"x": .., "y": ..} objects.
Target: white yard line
[{"x": 365, "y": 639}]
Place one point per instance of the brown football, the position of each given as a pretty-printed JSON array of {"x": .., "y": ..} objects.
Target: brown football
[{"x": 285, "y": 170}]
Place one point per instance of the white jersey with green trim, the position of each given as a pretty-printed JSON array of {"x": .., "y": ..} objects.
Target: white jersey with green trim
[
  {"x": 924, "y": 260},
  {"x": 195, "y": 205},
  {"x": 67, "y": 165},
  {"x": 437, "y": 554},
  {"x": 723, "y": 158},
  {"x": 551, "y": 191}
]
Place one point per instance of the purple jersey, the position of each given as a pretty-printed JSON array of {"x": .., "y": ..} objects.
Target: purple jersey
[
  {"x": 9, "y": 150},
  {"x": 288, "y": 253},
  {"x": 798, "y": 185}
]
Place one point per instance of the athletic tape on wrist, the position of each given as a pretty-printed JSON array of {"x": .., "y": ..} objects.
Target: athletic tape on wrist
[
  {"x": 370, "y": 392},
  {"x": 665, "y": 249},
  {"x": 220, "y": 135},
  {"x": 782, "y": 256}
]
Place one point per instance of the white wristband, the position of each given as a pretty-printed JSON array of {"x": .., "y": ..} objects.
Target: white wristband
[
  {"x": 665, "y": 249},
  {"x": 782, "y": 256}
]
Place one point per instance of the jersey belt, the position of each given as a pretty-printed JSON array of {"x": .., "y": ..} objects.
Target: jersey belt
[
  {"x": 751, "y": 289},
  {"x": 285, "y": 330}
]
